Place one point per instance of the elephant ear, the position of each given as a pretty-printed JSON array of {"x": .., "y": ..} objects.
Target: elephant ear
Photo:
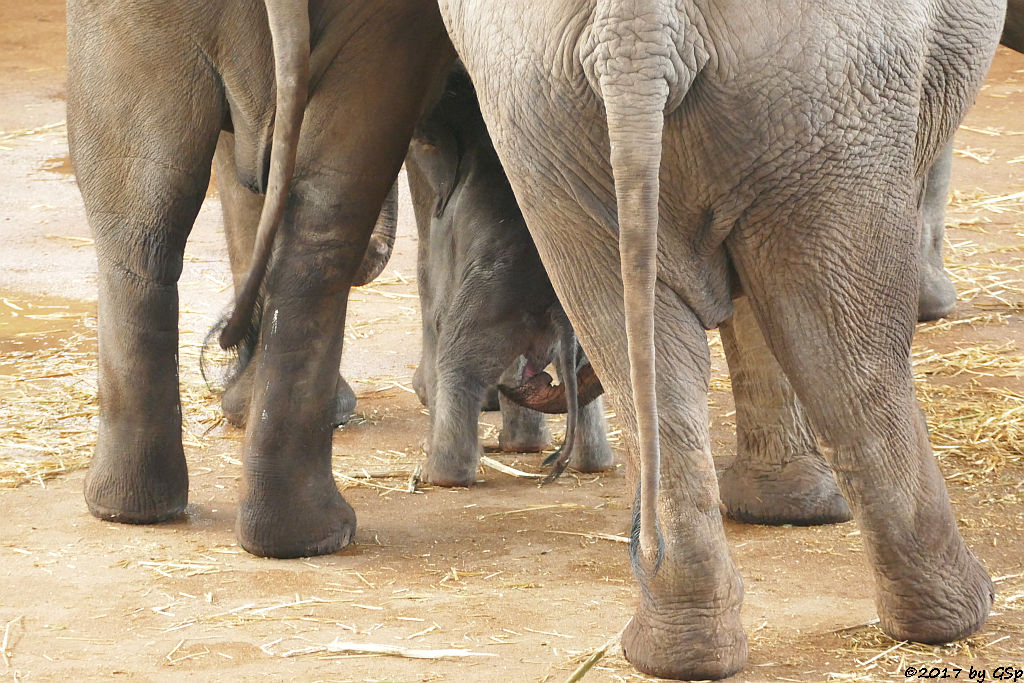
[{"x": 437, "y": 150}]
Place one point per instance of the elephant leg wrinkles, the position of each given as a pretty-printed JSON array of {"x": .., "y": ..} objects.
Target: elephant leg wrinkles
[
  {"x": 856, "y": 385},
  {"x": 779, "y": 475}
]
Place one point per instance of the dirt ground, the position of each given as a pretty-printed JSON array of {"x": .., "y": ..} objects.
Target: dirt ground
[{"x": 528, "y": 580}]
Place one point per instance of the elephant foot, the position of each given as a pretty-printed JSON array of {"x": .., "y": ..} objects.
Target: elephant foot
[
  {"x": 235, "y": 401},
  {"x": 697, "y": 644},
  {"x": 517, "y": 441},
  {"x": 450, "y": 471},
  {"x": 288, "y": 515},
  {"x": 936, "y": 296},
  {"x": 942, "y": 596},
  {"x": 137, "y": 489},
  {"x": 801, "y": 492},
  {"x": 592, "y": 455}
]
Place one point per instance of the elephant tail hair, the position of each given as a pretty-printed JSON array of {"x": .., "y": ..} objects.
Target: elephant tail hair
[
  {"x": 289, "y": 31},
  {"x": 221, "y": 367}
]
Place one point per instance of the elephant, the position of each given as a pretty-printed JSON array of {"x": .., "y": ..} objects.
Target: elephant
[
  {"x": 670, "y": 157},
  {"x": 150, "y": 88},
  {"x": 488, "y": 309},
  {"x": 241, "y": 209}
]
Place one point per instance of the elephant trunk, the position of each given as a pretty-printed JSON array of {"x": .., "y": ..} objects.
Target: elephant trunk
[
  {"x": 382, "y": 241},
  {"x": 289, "y": 32}
]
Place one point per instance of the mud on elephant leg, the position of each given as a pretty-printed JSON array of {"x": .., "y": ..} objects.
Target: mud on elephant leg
[
  {"x": 522, "y": 430},
  {"x": 856, "y": 385},
  {"x": 779, "y": 475}
]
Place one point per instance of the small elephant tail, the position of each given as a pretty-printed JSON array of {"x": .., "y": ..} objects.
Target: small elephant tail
[
  {"x": 567, "y": 361},
  {"x": 289, "y": 31},
  {"x": 220, "y": 367},
  {"x": 382, "y": 241},
  {"x": 641, "y": 62}
]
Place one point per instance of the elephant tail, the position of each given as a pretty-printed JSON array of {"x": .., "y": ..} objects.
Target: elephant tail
[
  {"x": 567, "y": 371},
  {"x": 289, "y": 31},
  {"x": 382, "y": 241},
  {"x": 640, "y": 72}
]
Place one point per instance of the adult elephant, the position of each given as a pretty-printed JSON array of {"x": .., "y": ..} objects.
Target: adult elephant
[
  {"x": 669, "y": 156},
  {"x": 779, "y": 475},
  {"x": 150, "y": 87}
]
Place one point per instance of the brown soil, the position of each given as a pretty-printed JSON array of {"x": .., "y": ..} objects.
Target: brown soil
[{"x": 512, "y": 571}]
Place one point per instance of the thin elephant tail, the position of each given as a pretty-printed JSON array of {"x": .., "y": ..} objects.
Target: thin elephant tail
[
  {"x": 382, "y": 241},
  {"x": 289, "y": 31},
  {"x": 567, "y": 361},
  {"x": 639, "y": 74}
]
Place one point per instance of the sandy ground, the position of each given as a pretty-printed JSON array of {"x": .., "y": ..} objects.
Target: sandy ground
[{"x": 523, "y": 577}]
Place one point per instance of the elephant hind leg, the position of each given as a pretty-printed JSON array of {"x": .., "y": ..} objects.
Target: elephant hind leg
[
  {"x": 840, "y": 320},
  {"x": 779, "y": 475},
  {"x": 141, "y": 193}
]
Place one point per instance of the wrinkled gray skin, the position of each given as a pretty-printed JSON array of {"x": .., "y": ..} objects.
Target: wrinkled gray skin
[
  {"x": 150, "y": 88},
  {"x": 242, "y": 207},
  {"x": 671, "y": 156},
  {"x": 779, "y": 475},
  {"x": 488, "y": 308}
]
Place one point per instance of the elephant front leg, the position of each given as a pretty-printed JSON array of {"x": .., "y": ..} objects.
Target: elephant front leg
[
  {"x": 454, "y": 453},
  {"x": 290, "y": 505},
  {"x": 138, "y": 474},
  {"x": 779, "y": 475}
]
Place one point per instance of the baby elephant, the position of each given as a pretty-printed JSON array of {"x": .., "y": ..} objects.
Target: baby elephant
[{"x": 489, "y": 310}]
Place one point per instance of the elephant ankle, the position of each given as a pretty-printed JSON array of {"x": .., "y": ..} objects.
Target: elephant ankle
[
  {"x": 524, "y": 440},
  {"x": 592, "y": 453},
  {"x": 293, "y": 516},
  {"x": 447, "y": 466},
  {"x": 698, "y": 642}
]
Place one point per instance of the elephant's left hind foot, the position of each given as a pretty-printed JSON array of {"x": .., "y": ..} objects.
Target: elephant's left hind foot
[
  {"x": 801, "y": 492},
  {"x": 145, "y": 486}
]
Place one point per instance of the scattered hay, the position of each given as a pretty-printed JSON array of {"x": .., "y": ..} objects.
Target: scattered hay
[{"x": 50, "y": 412}]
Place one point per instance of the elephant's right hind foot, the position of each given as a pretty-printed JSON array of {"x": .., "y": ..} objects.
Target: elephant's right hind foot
[
  {"x": 289, "y": 517},
  {"x": 702, "y": 645},
  {"x": 939, "y": 595},
  {"x": 141, "y": 489}
]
